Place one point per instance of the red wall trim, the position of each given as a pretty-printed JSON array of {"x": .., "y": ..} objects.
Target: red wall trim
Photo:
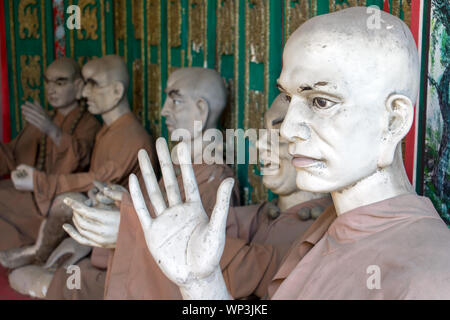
[{"x": 4, "y": 76}]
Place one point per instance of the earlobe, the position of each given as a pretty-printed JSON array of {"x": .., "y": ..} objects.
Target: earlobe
[{"x": 399, "y": 121}]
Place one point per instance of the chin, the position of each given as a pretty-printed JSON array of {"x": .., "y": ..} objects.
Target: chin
[{"x": 312, "y": 183}]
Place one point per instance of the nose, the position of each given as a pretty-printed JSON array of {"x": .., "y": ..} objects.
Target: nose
[
  {"x": 165, "y": 109},
  {"x": 85, "y": 91},
  {"x": 294, "y": 127}
]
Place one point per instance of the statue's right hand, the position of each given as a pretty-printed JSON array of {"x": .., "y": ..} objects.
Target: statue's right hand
[{"x": 185, "y": 244}]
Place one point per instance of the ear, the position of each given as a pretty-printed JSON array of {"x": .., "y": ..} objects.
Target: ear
[
  {"x": 79, "y": 86},
  {"x": 118, "y": 91},
  {"x": 203, "y": 108},
  {"x": 399, "y": 121}
]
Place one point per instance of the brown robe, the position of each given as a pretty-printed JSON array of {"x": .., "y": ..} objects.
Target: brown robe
[
  {"x": 247, "y": 266},
  {"x": 114, "y": 159},
  {"x": 129, "y": 250},
  {"x": 403, "y": 236},
  {"x": 20, "y": 217}
]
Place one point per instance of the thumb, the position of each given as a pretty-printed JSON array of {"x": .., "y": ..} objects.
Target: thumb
[{"x": 219, "y": 215}]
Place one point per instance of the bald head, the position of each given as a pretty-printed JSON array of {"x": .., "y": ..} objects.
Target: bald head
[
  {"x": 370, "y": 51},
  {"x": 201, "y": 83},
  {"x": 107, "y": 70},
  {"x": 65, "y": 66}
]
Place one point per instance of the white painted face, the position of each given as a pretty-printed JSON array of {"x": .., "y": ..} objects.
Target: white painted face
[
  {"x": 181, "y": 108},
  {"x": 282, "y": 178},
  {"x": 62, "y": 88},
  {"x": 339, "y": 77}
]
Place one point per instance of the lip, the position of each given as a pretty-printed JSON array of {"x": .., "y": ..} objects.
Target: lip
[{"x": 300, "y": 161}]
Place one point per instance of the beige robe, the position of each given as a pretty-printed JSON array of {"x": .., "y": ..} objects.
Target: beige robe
[
  {"x": 247, "y": 266},
  {"x": 403, "y": 237},
  {"x": 20, "y": 217},
  {"x": 114, "y": 159}
]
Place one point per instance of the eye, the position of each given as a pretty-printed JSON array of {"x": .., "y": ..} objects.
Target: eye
[
  {"x": 322, "y": 103},
  {"x": 176, "y": 102}
]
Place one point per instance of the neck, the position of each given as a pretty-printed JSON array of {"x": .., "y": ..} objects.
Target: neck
[
  {"x": 197, "y": 148},
  {"x": 66, "y": 110},
  {"x": 384, "y": 184},
  {"x": 286, "y": 202},
  {"x": 115, "y": 113}
]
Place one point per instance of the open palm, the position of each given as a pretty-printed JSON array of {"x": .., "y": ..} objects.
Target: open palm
[{"x": 183, "y": 241}]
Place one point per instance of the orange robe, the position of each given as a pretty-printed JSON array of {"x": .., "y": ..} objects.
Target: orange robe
[
  {"x": 20, "y": 217},
  {"x": 129, "y": 253},
  {"x": 114, "y": 159},
  {"x": 402, "y": 240},
  {"x": 247, "y": 266}
]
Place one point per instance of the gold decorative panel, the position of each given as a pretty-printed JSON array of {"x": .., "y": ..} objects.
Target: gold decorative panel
[
  {"x": 407, "y": 12},
  {"x": 225, "y": 26},
  {"x": 89, "y": 21},
  {"x": 154, "y": 22},
  {"x": 349, "y": 3},
  {"x": 28, "y": 19},
  {"x": 154, "y": 98},
  {"x": 256, "y": 24},
  {"x": 138, "y": 88},
  {"x": 30, "y": 77},
  {"x": 296, "y": 14},
  {"x": 174, "y": 23},
  {"x": 254, "y": 113},
  {"x": 197, "y": 24},
  {"x": 137, "y": 11},
  {"x": 120, "y": 18}
]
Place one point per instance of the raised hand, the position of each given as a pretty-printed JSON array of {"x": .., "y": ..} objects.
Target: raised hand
[
  {"x": 185, "y": 244},
  {"x": 36, "y": 116}
]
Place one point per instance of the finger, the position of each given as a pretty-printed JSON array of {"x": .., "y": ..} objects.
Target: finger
[
  {"x": 170, "y": 180},
  {"x": 151, "y": 183},
  {"x": 218, "y": 220},
  {"x": 26, "y": 110},
  {"x": 78, "y": 237},
  {"x": 33, "y": 118},
  {"x": 190, "y": 184},
  {"x": 115, "y": 195},
  {"x": 139, "y": 204},
  {"x": 91, "y": 236},
  {"x": 86, "y": 224},
  {"x": 93, "y": 214},
  {"x": 99, "y": 185}
]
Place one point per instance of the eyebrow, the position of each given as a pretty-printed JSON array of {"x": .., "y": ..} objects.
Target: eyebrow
[
  {"x": 174, "y": 93},
  {"x": 58, "y": 79},
  {"x": 92, "y": 81},
  {"x": 277, "y": 121}
]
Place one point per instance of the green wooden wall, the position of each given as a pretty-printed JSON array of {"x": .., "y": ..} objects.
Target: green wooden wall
[{"x": 243, "y": 39}]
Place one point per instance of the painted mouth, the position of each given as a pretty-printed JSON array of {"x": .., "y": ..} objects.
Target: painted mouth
[{"x": 300, "y": 161}]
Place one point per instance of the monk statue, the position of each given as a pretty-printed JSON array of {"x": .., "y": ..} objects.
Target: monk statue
[
  {"x": 257, "y": 236},
  {"x": 58, "y": 142},
  {"x": 193, "y": 94},
  {"x": 113, "y": 157},
  {"x": 270, "y": 230},
  {"x": 352, "y": 90}
]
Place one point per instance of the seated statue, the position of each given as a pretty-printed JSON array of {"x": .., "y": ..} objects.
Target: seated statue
[
  {"x": 59, "y": 142},
  {"x": 352, "y": 92},
  {"x": 257, "y": 236},
  {"x": 194, "y": 94},
  {"x": 120, "y": 138}
]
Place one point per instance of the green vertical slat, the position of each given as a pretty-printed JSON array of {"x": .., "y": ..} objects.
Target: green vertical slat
[
  {"x": 211, "y": 33},
  {"x": 422, "y": 100},
  {"x": 163, "y": 60},
  {"x": 242, "y": 171},
  {"x": 109, "y": 26}
]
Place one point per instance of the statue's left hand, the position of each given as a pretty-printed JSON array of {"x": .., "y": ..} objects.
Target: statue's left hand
[
  {"x": 22, "y": 178},
  {"x": 36, "y": 116}
]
